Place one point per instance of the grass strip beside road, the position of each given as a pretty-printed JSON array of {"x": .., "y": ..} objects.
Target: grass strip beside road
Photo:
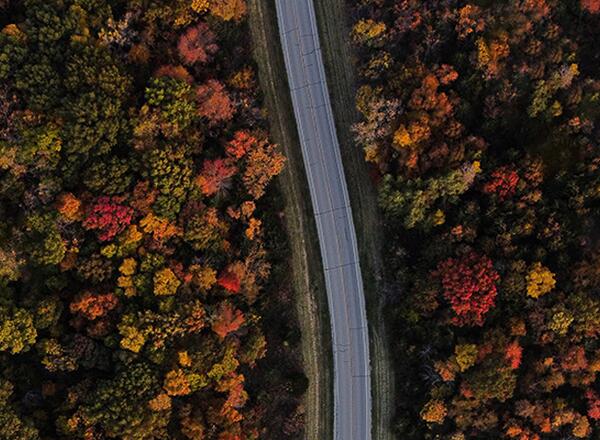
[{"x": 309, "y": 284}]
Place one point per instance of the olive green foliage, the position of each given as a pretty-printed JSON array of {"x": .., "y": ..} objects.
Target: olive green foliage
[
  {"x": 110, "y": 175},
  {"x": 17, "y": 333},
  {"x": 61, "y": 72},
  {"x": 13, "y": 427},
  {"x": 174, "y": 100},
  {"x": 170, "y": 170},
  {"x": 44, "y": 240},
  {"x": 114, "y": 405}
]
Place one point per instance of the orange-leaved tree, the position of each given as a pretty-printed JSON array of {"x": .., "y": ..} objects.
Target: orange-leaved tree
[{"x": 227, "y": 319}]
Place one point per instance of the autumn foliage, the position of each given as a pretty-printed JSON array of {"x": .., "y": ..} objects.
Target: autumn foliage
[
  {"x": 503, "y": 182},
  {"x": 592, "y": 6},
  {"x": 469, "y": 285},
  {"x": 69, "y": 207},
  {"x": 228, "y": 9},
  {"x": 229, "y": 280},
  {"x": 480, "y": 124},
  {"x": 214, "y": 102},
  {"x": 242, "y": 142},
  {"x": 514, "y": 354},
  {"x": 176, "y": 72},
  {"x": 227, "y": 320},
  {"x": 108, "y": 216},
  {"x": 216, "y": 176},
  {"x": 93, "y": 306},
  {"x": 135, "y": 256},
  {"x": 197, "y": 44},
  {"x": 263, "y": 163}
]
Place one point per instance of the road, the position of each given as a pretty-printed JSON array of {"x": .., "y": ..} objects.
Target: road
[{"x": 333, "y": 216}]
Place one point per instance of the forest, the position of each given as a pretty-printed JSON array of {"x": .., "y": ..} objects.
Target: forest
[
  {"x": 144, "y": 292},
  {"x": 480, "y": 122}
]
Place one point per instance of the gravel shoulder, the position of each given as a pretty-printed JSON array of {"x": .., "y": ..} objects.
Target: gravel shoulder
[
  {"x": 340, "y": 68},
  {"x": 308, "y": 278}
]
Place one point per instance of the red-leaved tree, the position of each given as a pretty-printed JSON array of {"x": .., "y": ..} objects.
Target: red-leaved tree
[
  {"x": 214, "y": 103},
  {"x": 593, "y": 405},
  {"x": 513, "y": 354},
  {"x": 242, "y": 143},
  {"x": 197, "y": 44},
  {"x": 503, "y": 182},
  {"x": 592, "y": 6},
  {"x": 215, "y": 176},
  {"x": 108, "y": 216},
  {"x": 469, "y": 285},
  {"x": 229, "y": 280}
]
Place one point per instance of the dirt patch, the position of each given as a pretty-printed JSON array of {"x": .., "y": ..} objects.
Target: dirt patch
[
  {"x": 340, "y": 66},
  {"x": 307, "y": 276}
]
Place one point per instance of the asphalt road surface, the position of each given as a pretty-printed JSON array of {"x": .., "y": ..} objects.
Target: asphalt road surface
[{"x": 331, "y": 206}]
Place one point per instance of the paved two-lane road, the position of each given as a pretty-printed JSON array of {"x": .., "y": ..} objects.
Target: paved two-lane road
[{"x": 331, "y": 205}]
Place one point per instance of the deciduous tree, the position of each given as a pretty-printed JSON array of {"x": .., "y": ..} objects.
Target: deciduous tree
[
  {"x": 108, "y": 216},
  {"x": 469, "y": 285},
  {"x": 215, "y": 176},
  {"x": 227, "y": 319},
  {"x": 214, "y": 102},
  {"x": 197, "y": 44},
  {"x": 228, "y": 9},
  {"x": 263, "y": 163},
  {"x": 92, "y": 305}
]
